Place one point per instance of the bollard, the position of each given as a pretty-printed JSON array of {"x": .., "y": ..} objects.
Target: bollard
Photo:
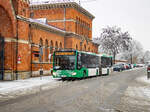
[{"x": 41, "y": 73}]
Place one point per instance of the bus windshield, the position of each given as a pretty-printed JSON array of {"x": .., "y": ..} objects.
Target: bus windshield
[{"x": 64, "y": 62}]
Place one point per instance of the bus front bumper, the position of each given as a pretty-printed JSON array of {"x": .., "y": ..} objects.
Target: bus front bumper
[{"x": 64, "y": 75}]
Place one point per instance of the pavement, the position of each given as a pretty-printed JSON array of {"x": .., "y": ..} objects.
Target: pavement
[{"x": 13, "y": 89}]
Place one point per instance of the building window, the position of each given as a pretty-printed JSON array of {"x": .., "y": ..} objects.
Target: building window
[
  {"x": 79, "y": 27},
  {"x": 41, "y": 50},
  {"x": 31, "y": 14},
  {"x": 46, "y": 50},
  {"x": 84, "y": 47},
  {"x": 51, "y": 47},
  {"x": 76, "y": 47},
  {"x": 76, "y": 27},
  {"x": 51, "y": 51},
  {"x": 89, "y": 49},
  {"x": 56, "y": 46},
  {"x": 60, "y": 46}
]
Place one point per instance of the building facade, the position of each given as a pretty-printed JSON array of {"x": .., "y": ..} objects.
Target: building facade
[{"x": 30, "y": 33}]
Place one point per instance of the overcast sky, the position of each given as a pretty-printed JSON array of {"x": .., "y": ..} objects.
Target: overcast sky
[{"x": 130, "y": 15}]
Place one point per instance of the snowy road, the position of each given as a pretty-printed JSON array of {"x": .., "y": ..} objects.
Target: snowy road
[{"x": 126, "y": 91}]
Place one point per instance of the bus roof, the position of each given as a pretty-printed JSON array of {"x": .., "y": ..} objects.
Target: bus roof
[
  {"x": 105, "y": 55},
  {"x": 87, "y": 52}
]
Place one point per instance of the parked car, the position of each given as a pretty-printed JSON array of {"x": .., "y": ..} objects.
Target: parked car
[
  {"x": 139, "y": 65},
  {"x": 130, "y": 66},
  {"x": 148, "y": 71},
  {"x": 118, "y": 67},
  {"x": 126, "y": 66}
]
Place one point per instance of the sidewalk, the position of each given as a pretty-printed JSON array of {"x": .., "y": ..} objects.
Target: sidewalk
[{"x": 13, "y": 89}]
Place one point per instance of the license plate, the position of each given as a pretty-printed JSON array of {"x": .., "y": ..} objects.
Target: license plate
[{"x": 148, "y": 71}]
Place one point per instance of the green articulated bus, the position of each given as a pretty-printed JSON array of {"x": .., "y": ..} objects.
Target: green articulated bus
[{"x": 77, "y": 64}]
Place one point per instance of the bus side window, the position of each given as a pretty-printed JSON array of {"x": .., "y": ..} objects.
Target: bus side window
[{"x": 79, "y": 64}]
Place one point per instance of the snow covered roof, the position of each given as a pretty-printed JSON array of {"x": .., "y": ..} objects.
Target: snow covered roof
[
  {"x": 34, "y": 2},
  {"x": 49, "y": 5},
  {"x": 41, "y": 22}
]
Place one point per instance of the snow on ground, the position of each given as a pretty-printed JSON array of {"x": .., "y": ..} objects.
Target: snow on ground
[
  {"x": 11, "y": 89},
  {"x": 143, "y": 79},
  {"x": 139, "y": 94}
]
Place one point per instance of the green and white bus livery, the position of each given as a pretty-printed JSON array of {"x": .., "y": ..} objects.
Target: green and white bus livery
[
  {"x": 105, "y": 64},
  {"x": 75, "y": 64}
]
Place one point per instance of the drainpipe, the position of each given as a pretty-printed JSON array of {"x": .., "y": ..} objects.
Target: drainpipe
[
  {"x": 16, "y": 49},
  {"x": 16, "y": 70},
  {"x": 30, "y": 42}
]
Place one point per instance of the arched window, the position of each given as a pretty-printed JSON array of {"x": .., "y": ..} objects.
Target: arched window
[
  {"x": 81, "y": 46},
  {"x": 46, "y": 50},
  {"x": 76, "y": 25},
  {"x": 79, "y": 27},
  {"x": 41, "y": 50},
  {"x": 60, "y": 45},
  {"x": 84, "y": 47},
  {"x": 51, "y": 51},
  {"x": 56, "y": 46},
  {"x": 51, "y": 47},
  {"x": 83, "y": 28},
  {"x": 89, "y": 49},
  {"x": 76, "y": 47}
]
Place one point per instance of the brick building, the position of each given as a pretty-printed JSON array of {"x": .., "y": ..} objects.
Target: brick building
[{"x": 29, "y": 33}]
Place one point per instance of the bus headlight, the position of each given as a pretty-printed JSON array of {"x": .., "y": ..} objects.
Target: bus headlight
[
  {"x": 74, "y": 73},
  {"x": 54, "y": 73}
]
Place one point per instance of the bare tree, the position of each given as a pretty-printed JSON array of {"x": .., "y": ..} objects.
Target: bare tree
[
  {"x": 134, "y": 53},
  {"x": 112, "y": 40},
  {"x": 146, "y": 56}
]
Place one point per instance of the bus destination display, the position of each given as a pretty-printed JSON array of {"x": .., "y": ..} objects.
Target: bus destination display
[{"x": 65, "y": 53}]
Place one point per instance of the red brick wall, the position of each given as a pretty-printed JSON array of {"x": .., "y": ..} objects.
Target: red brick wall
[
  {"x": 24, "y": 52},
  {"x": 58, "y": 14},
  {"x": 6, "y": 27},
  {"x": 23, "y": 30},
  {"x": 72, "y": 13},
  {"x": 10, "y": 28},
  {"x": 6, "y": 30},
  {"x": 38, "y": 34},
  {"x": 7, "y": 6}
]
